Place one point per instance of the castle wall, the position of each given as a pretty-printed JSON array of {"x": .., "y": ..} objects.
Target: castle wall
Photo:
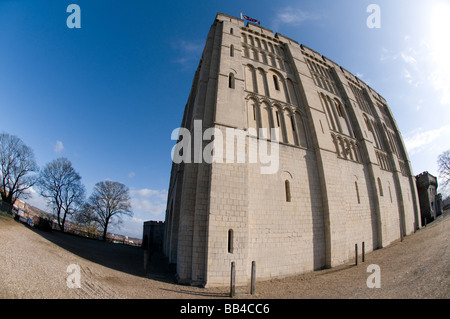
[
  {"x": 286, "y": 237},
  {"x": 343, "y": 175}
]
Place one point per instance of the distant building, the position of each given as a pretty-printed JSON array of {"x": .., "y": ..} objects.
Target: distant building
[{"x": 430, "y": 202}]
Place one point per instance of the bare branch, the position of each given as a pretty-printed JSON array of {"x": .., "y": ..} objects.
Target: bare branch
[
  {"x": 61, "y": 185},
  {"x": 17, "y": 165},
  {"x": 110, "y": 199}
]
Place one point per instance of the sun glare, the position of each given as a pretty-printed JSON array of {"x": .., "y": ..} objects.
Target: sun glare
[
  {"x": 440, "y": 48},
  {"x": 439, "y": 32}
]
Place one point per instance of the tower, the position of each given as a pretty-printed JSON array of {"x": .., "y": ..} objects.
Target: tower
[{"x": 342, "y": 171}]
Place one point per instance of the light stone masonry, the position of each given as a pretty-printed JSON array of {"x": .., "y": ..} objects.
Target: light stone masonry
[{"x": 343, "y": 177}]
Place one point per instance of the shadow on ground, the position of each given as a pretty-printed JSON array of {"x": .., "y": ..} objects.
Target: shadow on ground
[{"x": 120, "y": 257}]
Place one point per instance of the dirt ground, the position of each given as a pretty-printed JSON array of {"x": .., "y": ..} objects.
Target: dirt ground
[{"x": 34, "y": 264}]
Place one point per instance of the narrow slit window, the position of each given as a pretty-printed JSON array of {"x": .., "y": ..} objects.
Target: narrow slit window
[
  {"x": 254, "y": 112},
  {"x": 287, "y": 190},
  {"x": 231, "y": 81},
  {"x": 339, "y": 110},
  {"x": 357, "y": 192},
  {"x": 231, "y": 50},
  {"x": 278, "y": 118},
  {"x": 275, "y": 82},
  {"x": 293, "y": 124},
  {"x": 230, "y": 241}
]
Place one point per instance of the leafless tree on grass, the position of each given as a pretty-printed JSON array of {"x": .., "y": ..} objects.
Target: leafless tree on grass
[
  {"x": 61, "y": 185},
  {"x": 17, "y": 167},
  {"x": 110, "y": 199}
]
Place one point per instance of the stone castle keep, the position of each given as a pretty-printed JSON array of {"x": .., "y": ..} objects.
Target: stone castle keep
[{"x": 344, "y": 175}]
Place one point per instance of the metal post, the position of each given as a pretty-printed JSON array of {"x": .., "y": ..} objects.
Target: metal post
[
  {"x": 253, "y": 279},
  {"x": 363, "y": 252},
  {"x": 233, "y": 280},
  {"x": 356, "y": 254}
]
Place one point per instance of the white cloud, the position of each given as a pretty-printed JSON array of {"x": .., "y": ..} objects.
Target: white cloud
[
  {"x": 386, "y": 54},
  {"x": 419, "y": 140},
  {"x": 149, "y": 202},
  {"x": 190, "y": 46},
  {"x": 407, "y": 75},
  {"x": 145, "y": 192},
  {"x": 59, "y": 146},
  {"x": 439, "y": 48},
  {"x": 294, "y": 17},
  {"x": 38, "y": 201},
  {"x": 440, "y": 79},
  {"x": 188, "y": 52},
  {"x": 131, "y": 174},
  {"x": 409, "y": 59},
  {"x": 149, "y": 207}
]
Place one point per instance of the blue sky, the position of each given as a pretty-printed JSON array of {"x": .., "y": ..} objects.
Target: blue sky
[{"x": 108, "y": 95}]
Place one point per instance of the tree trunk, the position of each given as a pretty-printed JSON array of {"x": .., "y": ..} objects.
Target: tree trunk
[
  {"x": 60, "y": 222},
  {"x": 104, "y": 231}
]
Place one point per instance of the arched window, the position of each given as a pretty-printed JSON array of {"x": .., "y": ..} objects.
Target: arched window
[
  {"x": 265, "y": 45},
  {"x": 339, "y": 109},
  {"x": 230, "y": 241},
  {"x": 251, "y": 40},
  {"x": 253, "y": 116},
  {"x": 301, "y": 130},
  {"x": 231, "y": 81},
  {"x": 275, "y": 82},
  {"x": 292, "y": 123},
  {"x": 294, "y": 133},
  {"x": 245, "y": 52},
  {"x": 328, "y": 111},
  {"x": 380, "y": 187},
  {"x": 250, "y": 79},
  {"x": 255, "y": 54},
  {"x": 244, "y": 37},
  {"x": 272, "y": 61},
  {"x": 287, "y": 189},
  {"x": 261, "y": 82},
  {"x": 266, "y": 119},
  {"x": 366, "y": 120},
  {"x": 277, "y": 114},
  {"x": 264, "y": 57}
]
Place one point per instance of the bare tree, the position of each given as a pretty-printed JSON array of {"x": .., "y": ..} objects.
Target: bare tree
[
  {"x": 87, "y": 217},
  {"x": 61, "y": 185},
  {"x": 110, "y": 199},
  {"x": 17, "y": 165},
  {"x": 444, "y": 169}
]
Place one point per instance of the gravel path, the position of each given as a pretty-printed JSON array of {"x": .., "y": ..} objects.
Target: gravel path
[{"x": 33, "y": 264}]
